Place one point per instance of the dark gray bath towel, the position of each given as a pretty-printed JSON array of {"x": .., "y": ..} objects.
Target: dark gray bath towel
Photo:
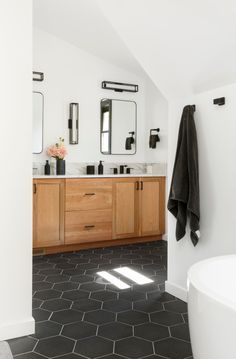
[{"x": 184, "y": 198}]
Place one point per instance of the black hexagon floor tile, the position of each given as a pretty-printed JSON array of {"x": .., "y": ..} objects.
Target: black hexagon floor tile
[
  {"x": 65, "y": 286},
  {"x": 99, "y": 317},
  {"x": 132, "y": 317},
  {"x": 36, "y": 303},
  {"x": 79, "y": 330},
  {"x": 82, "y": 278},
  {"x": 54, "y": 305},
  {"x": 70, "y": 356},
  {"x": 54, "y": 346},
  {"x": 181, "y": 332},
  {"x": 115, "y": 331},
  {"x": 42, "y": 286},
  {"x": 166, "y": 318},
  {"x": 173, "y": 348},
  {"x": 66, "y": 266},
  {"x": 40, "y": 315},
  {"x": 47, "y": 294},
  {"x": 38, "y": 278},
  {"x": 66, "y": 316},
  {"x": 75, "y": 295},
  {"x": 50, "y": 271},
  {"x": 132, "y": 296},
  {"x": 117, "y": 305},
  {"x": 161, "y": 297},
  {"x": 103, "y": 295},
  {"x": 22, "y": 345},
  {"x": 133, "y": 348},
  {"x": 94, "y": 347},
  {"x": 87, "y": 305},
  {"x": 72, "y": 272},
  {"x": 92, "y": 287},
  {"x": 148, "y": 306},
  {"x": 151, "y": 331},
  {"x": 73, "y": 305},
  {"x": 59, "y": 278},
  {"x": 30, "y": 355},
  {"x": 46, "y": 329},
  {"x": 178, "y": 306}
]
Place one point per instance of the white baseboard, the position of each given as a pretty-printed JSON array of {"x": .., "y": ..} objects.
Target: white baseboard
[
  {"x": 176, "y": 290},
  {"x": 17, "y": 329},
  {"x": 165, "y": 237}
]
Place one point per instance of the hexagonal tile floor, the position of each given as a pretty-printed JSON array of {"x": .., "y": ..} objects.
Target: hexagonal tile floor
[{"x": 79, "y": 315}]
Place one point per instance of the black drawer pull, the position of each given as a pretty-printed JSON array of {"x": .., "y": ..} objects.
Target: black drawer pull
[
  {"x": 90, "y": 194},
  {"x": 141, "y": 185},
  {"x": 137, "y": 185},
  {"x": 89, "y": 227}
]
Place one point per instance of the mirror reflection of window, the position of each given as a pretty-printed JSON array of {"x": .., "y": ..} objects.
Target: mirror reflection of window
[
  {"x": 106, "y": 126},
  {"x": 105, "y": 142},
  {"x": 105, "y": 123},
  {"x": 118, "y": 119}
]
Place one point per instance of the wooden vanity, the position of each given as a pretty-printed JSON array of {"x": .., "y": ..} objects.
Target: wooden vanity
[{"x": 74, "y": 213}]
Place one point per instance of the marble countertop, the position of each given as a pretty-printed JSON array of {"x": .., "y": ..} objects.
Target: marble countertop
[{"x": 101, "y": 176}]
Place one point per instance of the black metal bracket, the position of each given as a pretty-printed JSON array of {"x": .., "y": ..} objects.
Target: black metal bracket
[
  {"x": 219, "y": 101},
  {"x": 38, "y": 76},
  {"x": 119, "y": 86}
]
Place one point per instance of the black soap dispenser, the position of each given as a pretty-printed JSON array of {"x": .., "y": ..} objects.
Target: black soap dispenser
[
  {"x": 47, "y": 168},
  {"x": 100, "y": 168}
]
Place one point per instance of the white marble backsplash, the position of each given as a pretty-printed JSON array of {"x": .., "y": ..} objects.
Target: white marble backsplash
[{"x": 79, "y": 168}]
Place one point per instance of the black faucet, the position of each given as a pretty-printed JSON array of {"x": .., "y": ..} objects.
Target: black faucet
[{"x": 122, "y": 168}]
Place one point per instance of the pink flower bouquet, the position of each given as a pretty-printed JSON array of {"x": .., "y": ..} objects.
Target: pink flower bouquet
[{"x": 58, "y": 150}]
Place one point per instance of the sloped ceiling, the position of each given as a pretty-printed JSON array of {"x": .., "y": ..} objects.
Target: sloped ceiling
[
  {"x": 82, "y": 23},
  {"x": 185, "y": 46}
]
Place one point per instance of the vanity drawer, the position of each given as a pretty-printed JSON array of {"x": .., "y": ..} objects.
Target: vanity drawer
[
  {"x": 88, "y": 194},
  {"x": 88, "y": 226}
]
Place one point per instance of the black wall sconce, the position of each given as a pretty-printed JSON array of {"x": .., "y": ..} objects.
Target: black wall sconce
[
  {"x": 129, "y": 141},
  {"x": 73, "y": 124},
  {"x": 219, "y": 101},
  {"x": 38, "y": 76},
  {"x": 154, "y": 138},
  {"x": 119, "y": 86}
]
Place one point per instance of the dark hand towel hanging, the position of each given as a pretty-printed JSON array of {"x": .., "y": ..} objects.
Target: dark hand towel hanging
[{"x": 184, "y": 197}]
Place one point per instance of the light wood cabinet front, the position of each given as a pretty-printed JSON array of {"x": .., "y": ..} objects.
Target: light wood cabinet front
[
  {"x": 86, "y": 194},
  {"x": 70, "y": 212},
  {"x": 152, "y": 202},
  {"x": 88, "y": 216},
  {"x": 48, "y": 219},
  {"x": 125, "y": 208},
  {"x": 88, "y": 226}
]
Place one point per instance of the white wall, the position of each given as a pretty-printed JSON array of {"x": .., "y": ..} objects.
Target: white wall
[
  {"x": 73, "y": 75},
  {"x": 216, "y": 128},
  {"x": 15, "y": 190},
  {"x": 156, "y": 117}
]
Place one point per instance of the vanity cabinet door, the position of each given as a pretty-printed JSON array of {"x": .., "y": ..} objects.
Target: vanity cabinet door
[
  {"x": 125, "y": 208},
  {"x": 152, "y": 206},
  {"x": 48, "y": 213}
]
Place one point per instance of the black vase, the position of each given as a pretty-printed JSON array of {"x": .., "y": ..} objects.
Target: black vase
[{"x": 61, "y": 167}]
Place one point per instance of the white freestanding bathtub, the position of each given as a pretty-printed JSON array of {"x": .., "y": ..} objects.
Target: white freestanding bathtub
[{"x": 212, "y": 308}]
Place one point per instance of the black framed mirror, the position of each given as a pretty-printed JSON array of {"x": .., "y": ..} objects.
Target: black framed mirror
[{"x": 118, "y": 132}]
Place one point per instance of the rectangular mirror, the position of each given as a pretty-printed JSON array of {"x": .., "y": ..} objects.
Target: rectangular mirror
[
  {"x": 118, "y": 127},
  {"x": 38, "y": 109}
]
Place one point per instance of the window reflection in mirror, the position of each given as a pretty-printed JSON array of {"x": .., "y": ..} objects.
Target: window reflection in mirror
[{"x": 118, "y": 127}]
